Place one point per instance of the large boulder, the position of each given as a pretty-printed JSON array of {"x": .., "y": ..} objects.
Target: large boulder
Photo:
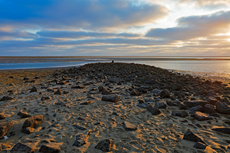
[
  {"x": 223, "y": 108},
  {"x": 105, "y": 145},
  {"x": 194, "y": 103},
  {"x": 189, "y": 135},
  {"x": 110, "y": 98},
  {"x": 165, "y": 93},
  {"x": 31, "y": 123},
  {"x": 4, "y": 127},
  {"x": 180, "y": 113}
]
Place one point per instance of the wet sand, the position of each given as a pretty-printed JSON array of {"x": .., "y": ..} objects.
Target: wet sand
[{"x": 137, "y": 115}]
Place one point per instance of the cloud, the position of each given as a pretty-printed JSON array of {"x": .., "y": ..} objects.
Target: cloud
[
  {"x": 206, "y": 3},
  {"x": 82, "y": 34},
  {"x": 86, "y": 14},
  {"x": 194, "y": 27}
]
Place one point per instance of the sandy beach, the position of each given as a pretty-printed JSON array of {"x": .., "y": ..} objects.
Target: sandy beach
[{"x": 113, "y": 107}]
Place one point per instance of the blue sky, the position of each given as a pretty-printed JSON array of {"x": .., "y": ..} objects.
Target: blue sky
[{"x": 115, "y": 28}]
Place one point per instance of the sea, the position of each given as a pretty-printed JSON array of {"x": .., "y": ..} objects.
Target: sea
[{"x": 210, "y": 65}]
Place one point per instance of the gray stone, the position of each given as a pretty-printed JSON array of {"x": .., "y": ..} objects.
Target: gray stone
[
  {"x": 34, "y": 89},
  {"x": 176, "y": 86},
  {"x": 223, "y": 108},
  {"x": 189, "y": 135},
  {"x": 21, "y": 148},
  {"x": 58, "y": 92},
  {"x": 4, "y": 127},
  {"x": 129, "y": 127},
  {"x": 45, "y": 98},
  {"x": 209, "y": 109},
  {"x": 80, "y": 140},
  {"x": 222, "y": 130},
  {"x": 135, "y": 93},
  {"x": 201, "y": 116},
  {"x": 153, "y": 110},
  {"x": 194, "y": 103},
  {"x": 143, "y": 105},
  {"x": 4, "y": 146},
  {"x": 182, "y": 113},
  {"x": 2, "y": 116},
  {"x": 5, "y": 98},
  {"x": 105, "y": 145},
  {"x": 160, "y": 105},
  {"x": 165, "y": 93},
  {"x": 171, "y": 103},
  {"x": 33, "y": 121},
  {"x": 110, "y": 98},
  {"x": 23, "y": 114},
  {"x": 194, "y": 109},
  {"x": 50, "y": 148},
  {"x": 156, "y": 91},
  {"x": 199, "y": 145}
]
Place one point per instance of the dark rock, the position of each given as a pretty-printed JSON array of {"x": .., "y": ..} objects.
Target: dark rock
[
  {"x": 23, "y": 114},
  {"x": 222, "y": 108},
  {"x": 171, "y": 103},
  {"x": 4, "y": 146},
  {"x": 79, "y": 127},
  {"x": 50, "y": 148},
  {"x": 165, "y": 93},
  {"x": 86, "y": 103},
  {"x": 182, "y": 113},
  {"x": 62, "y": 104},
  {"x": 21, "y": 148},
  {"x": 160, "y": 105},
  {"x": 198, "y": 125},
  {"x": 33, "y": 121},
  {"x": 58, "y": 92},
  {"x": 199, "y": 145},
  {"x": 78, "y": 87},
  {"x": 28, "y": 130},
  {"x": 189, "y": 135},
  {"x": 45, "y": 98},
  {"x": 6, "y": 98},
  {"x": 135, "y": 93},
  {"x": 222, "y": 130},
  {"x": 80, "y": 140},
  {"x": 194, "y": 109},
  {"x": 201, "y": 116},
  {"x": 105, "y": 92},
  {"x": 181, "y": 105},
  {"x": 11, "y": 84},
  {"x": 2, "y": 116},
  {"x": 143, "y": 105},
  {"x": 62, "y": 83},
  {"x": 101, "y": 88},
  {"x": 105, "y": 145},
  {"x": 176, "y": 86},
  {"x": 50, "y": 90},
  {"x": 4, "y": 127},
  {"x": 156, "y": 91},
  {"x": 25, "y": 78},
  {"x": 149, "y": 100},
  {"x": 212, "y": 100},
  {"x": 153, "y": 110},
  {"x": 34, "y": 89},
  {"x": 110, "y": 98},
  {"x": 129, "y": 127},
  {"x": 194, "y": 103},
  {"x": 209, "y": 109},
  {"x": 142, "y": 90}
]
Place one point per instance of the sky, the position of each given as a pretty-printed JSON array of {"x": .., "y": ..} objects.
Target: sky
[{"x": 115, "y": 28}]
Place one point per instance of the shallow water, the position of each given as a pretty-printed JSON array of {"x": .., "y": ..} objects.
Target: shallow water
[{"x": 195, "y": 64}]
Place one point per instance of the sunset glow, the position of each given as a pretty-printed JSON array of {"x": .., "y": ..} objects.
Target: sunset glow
[{"x": 114, "y": 28}]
